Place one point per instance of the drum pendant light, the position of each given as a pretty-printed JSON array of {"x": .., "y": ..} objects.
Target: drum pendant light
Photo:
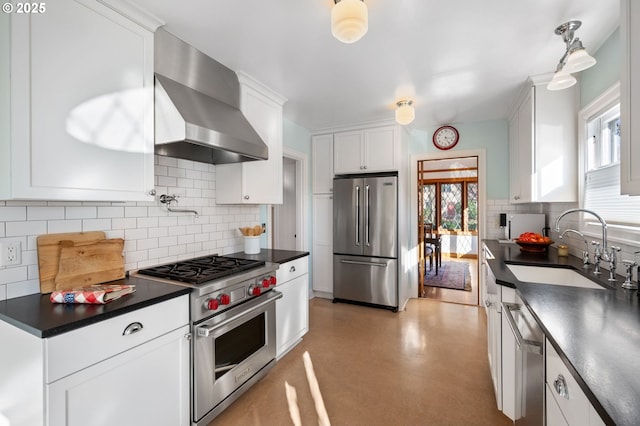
[
  {"x": 405, "y": 112},
  {"x": 349, "y": 20}
]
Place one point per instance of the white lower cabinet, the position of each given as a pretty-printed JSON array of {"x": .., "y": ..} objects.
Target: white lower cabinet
[
  {"x": 131, "y": 369},
  {"x": 508, "y": 358},
  {"x": 566, "y": 402},
  {"x": 292, "y": 310},
  {"x": 148, "y": 384}
]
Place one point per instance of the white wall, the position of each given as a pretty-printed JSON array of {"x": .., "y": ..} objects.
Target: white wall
[{"x": 152, "y": 235}]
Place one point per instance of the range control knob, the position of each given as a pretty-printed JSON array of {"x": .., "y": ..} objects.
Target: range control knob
[
  {"x": 211, "y": 304},
  {"x": 254, "y": 291},
  {"x": 272, "y": 280},
  {"x": 265, "y": 282},
  {"x": 224, "y": 299}
]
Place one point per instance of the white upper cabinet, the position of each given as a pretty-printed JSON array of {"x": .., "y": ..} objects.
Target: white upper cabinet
[
  {"x": 80, "y": 104},
  {"x": 543, "y": 145},
  {"x": 322, "y": 160},
  {"x": 630, "y": 97},
  {"x": 255, "y": 182},
  {"x": 370, "y": 150}
]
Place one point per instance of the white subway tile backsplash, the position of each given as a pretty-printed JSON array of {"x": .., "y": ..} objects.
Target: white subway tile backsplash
[
  {"x": 146, "y": 243},
  {"x": 167, "y": 241},
  {"x": 23, "y": 288},
  {"x": 166, "y": 181},
  {"x": 96, "y": 225},
  {"x": 62, "y": 226},
  {"x": 18, "y": 229},
  {"x": 111, "y": 212},
  {"x": 45, "y": 213},
  {"x": 152, "y": 234},
  {"x": 13, "y": 274},
  {"x": 135, "y": 211},
  {"x": 13, "y": 213},
  {"x": 124, "y": 223},
  {"x": 166, "y": 161},
  {"x": 84, "y": 212}
]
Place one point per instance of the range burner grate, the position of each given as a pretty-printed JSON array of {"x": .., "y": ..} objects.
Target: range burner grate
[{"x": 202, "y": 269}]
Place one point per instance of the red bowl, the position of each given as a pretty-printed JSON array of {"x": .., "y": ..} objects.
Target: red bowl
[{"x": 533, "y": 247}]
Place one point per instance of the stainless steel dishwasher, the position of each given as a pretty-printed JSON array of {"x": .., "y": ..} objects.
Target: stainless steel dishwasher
[{"x": 529, "y": 364}]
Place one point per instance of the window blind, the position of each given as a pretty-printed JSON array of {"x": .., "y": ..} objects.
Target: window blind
[{"x": 602, "y": 194}]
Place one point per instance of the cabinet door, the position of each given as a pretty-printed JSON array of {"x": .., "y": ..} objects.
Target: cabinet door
[
  {"x": 322, "y": 160},
  {"x": 81, "y": 104},
  {"x": 292, "y": 313},
  {"x": 323, "y": 243},
  {"x": 630, "y": 97},
  {"x": 514, "y": 160},
  {"x": 525, "y": 148},
  {"x": 148, "y": 384},
  {"x": 348, "y": 152},
  {"x": 381, "y": 149},
  {"x": 255, "y": 182}
]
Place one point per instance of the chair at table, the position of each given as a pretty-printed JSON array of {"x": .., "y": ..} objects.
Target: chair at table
[{"x": 432, "y": 246}]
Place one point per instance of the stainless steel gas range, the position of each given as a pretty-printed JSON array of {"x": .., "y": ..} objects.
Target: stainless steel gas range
[{"x": 233, "y": 326}]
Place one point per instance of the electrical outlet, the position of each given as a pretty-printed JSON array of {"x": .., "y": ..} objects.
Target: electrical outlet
[{"x": 11, "y": 253}]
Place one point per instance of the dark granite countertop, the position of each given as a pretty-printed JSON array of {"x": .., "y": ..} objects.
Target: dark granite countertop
[
  {"x": 36, "y": 315},
  {"x": 596, "y": 332},
  {"x": 271, "y": 255}
]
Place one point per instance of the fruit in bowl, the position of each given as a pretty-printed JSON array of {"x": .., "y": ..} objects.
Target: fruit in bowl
[{"x": 532, "y": 242}]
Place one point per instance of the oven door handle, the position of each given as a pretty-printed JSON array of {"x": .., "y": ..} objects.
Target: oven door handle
[
  {"x": 524, "y": 344},
  {"x": 206, "y": 331}
]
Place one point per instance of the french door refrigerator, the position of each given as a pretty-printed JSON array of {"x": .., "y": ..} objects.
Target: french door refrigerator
[{"x": 365, "y": 239}]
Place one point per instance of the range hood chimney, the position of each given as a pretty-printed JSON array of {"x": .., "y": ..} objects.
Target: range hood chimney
[{"x": 197, "y": 107}]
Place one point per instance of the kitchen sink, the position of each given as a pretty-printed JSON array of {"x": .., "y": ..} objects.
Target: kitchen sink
[{"x": 554, "y": 276}]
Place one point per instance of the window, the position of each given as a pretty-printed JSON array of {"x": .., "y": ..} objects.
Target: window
[{"x": 599, "y": 134}]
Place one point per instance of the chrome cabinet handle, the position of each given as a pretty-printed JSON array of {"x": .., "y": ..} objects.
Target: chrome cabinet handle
[
  {"x": 522, "y": 343},
  {"x": 561, "y": 387},
  {"x": 357, "y": 216},
  {"x": 134, "y": 327},
  {"x": 292, "y": 269},
  {"x": 246, "y": 197}
]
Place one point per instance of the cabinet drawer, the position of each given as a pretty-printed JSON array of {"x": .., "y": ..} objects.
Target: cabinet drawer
[
  {"x": 574, "y": 404},
  {"x": 292, "y": 269},
  {"x": 78, "y": 349}
]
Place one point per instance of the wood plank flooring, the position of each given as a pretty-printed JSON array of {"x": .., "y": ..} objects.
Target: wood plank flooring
[{"x": 424, "y": 366}]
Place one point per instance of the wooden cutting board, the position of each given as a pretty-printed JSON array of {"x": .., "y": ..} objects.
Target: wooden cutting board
[
  {"x": 88, "y": 264},
  {"x": 49, "y": 254}
]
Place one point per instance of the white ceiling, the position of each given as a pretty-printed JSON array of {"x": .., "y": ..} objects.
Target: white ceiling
[{"x": 460, "y": 60}]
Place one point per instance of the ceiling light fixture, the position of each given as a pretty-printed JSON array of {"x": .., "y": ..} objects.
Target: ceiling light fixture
[
  {"x": 575, "y": 58},
  {"x": 349, "y": 20},
  {"x": 405, "y": 112}
]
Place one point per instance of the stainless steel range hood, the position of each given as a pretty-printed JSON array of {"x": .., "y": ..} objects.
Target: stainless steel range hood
[{"x": 197, "y": 107}]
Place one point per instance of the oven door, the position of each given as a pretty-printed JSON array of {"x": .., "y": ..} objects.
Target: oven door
[{"x": 229, "y": 349}]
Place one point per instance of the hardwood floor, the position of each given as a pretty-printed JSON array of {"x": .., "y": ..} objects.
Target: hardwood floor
[{"x": 425, "y": 365}]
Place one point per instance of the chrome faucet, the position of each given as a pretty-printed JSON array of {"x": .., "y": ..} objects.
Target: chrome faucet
[
  {"x": 613, "y": 258},
  {"x": 601, "y": 253},
  {"x": 585, "y": 252}
]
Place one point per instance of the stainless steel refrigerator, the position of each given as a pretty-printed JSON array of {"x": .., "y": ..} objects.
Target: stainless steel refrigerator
[{"x": 365, "y": 239}]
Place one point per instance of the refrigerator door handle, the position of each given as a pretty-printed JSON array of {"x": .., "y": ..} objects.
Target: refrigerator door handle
[
  {"x": 355, "y": 262},
  {"x": 357, "y": 215},
  {"x": 366, "y": 216}
]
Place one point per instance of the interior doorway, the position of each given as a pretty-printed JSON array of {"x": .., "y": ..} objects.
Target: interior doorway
[
  {"x": 447, "y": 228},
  {"x": 288, "y": 220}
]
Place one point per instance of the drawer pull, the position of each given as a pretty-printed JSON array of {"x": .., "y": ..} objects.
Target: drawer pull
[
  {"x": 292, "y": 269},
  {"x": 134, "y": 327},
  {"x": 561, "y": 386}
]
